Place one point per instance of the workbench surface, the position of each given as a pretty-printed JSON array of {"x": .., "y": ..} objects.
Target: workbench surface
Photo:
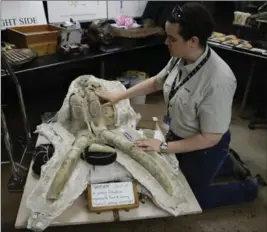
[{"x": 78, "y": 213}]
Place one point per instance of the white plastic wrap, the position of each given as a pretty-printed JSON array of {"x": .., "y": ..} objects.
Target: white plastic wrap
[{"x": 57, "y": 132}]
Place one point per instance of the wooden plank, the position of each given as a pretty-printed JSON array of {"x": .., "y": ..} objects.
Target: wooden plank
[
  {"x": 149, "y": 210},
  {"x": 76, "y": 214}
]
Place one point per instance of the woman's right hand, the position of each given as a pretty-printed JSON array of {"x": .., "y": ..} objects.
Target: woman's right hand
[{"x": 111, "y": 97}]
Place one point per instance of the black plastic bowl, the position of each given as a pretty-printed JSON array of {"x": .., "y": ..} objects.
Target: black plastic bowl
[{"x": 99, "y": 158}]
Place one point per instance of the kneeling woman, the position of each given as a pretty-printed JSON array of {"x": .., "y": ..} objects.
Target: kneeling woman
[{"x": 198, "y": 88}]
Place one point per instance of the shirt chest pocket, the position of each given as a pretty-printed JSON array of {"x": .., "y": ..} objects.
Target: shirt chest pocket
[{"x": 185, "y": 104}]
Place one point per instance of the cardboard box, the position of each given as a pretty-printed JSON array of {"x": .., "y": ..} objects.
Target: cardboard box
[{"x": 152, "y": 115}]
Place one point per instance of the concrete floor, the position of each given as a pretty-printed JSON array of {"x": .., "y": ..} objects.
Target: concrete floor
[{"x": 250, "y": 217}]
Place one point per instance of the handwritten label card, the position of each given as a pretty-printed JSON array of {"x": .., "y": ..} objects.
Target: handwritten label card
[{"x": 112, "y": 195}]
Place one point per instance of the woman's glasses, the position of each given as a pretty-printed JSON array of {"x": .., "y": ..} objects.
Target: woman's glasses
[{"x": 177, "y": 13}]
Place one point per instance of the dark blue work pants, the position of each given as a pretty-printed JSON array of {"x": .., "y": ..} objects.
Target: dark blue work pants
[{"x": 201, "y": 167}]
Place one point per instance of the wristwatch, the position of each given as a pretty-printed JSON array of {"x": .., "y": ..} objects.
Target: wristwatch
[{"x": 163, "y": 147}]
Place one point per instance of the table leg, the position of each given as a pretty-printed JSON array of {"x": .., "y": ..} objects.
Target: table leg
[
  {"x": 8, "y": 145},
  {"x": 17, "y": 180},
  {"x": 15, "y": 80},
  {"x": 247, "y": 89},
  {"x": 102, "y": 70}
]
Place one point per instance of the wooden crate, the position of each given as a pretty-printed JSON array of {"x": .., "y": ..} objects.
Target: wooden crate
[
  {"x": 136, "y": 32},
  {"x": 41, "y": 38}
]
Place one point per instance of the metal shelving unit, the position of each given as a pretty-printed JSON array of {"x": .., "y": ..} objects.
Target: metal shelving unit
[{"x": 19, "y": 172}]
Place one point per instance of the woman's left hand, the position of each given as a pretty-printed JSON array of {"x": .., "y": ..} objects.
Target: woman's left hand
[{"x": 149, "y": 144}]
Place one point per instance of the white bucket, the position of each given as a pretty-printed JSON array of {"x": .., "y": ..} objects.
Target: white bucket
[{"x": 139, "y": 99}]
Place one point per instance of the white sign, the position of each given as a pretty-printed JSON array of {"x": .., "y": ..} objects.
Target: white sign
[
  {"x": 83, "y": 11},
  {"x": 22, "y": 13},
  {"x": 128, "y": 8},
  {"x": 112, "y": 194}
]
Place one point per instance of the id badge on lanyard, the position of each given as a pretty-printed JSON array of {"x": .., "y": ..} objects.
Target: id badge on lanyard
[{"x": 167, "y": 118}]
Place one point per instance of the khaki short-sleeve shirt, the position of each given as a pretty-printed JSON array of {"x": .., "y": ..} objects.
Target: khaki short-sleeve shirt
[{"x": 204, "y": 103}]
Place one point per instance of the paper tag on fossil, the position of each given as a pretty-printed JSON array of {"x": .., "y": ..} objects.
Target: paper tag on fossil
[{"x": 110, "y": 196}]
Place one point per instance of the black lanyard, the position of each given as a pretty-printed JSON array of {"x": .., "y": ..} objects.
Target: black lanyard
[{"x": 190, "y": 75}]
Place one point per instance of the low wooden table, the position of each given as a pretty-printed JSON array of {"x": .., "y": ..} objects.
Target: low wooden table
[{"x": 78, "y": 213}]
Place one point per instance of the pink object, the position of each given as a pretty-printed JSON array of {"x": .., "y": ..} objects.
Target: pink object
[
  {"x": 121, "y": 20},
  {"x": 124, "y": 21},
  {"x": 129, "y": 22}
]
